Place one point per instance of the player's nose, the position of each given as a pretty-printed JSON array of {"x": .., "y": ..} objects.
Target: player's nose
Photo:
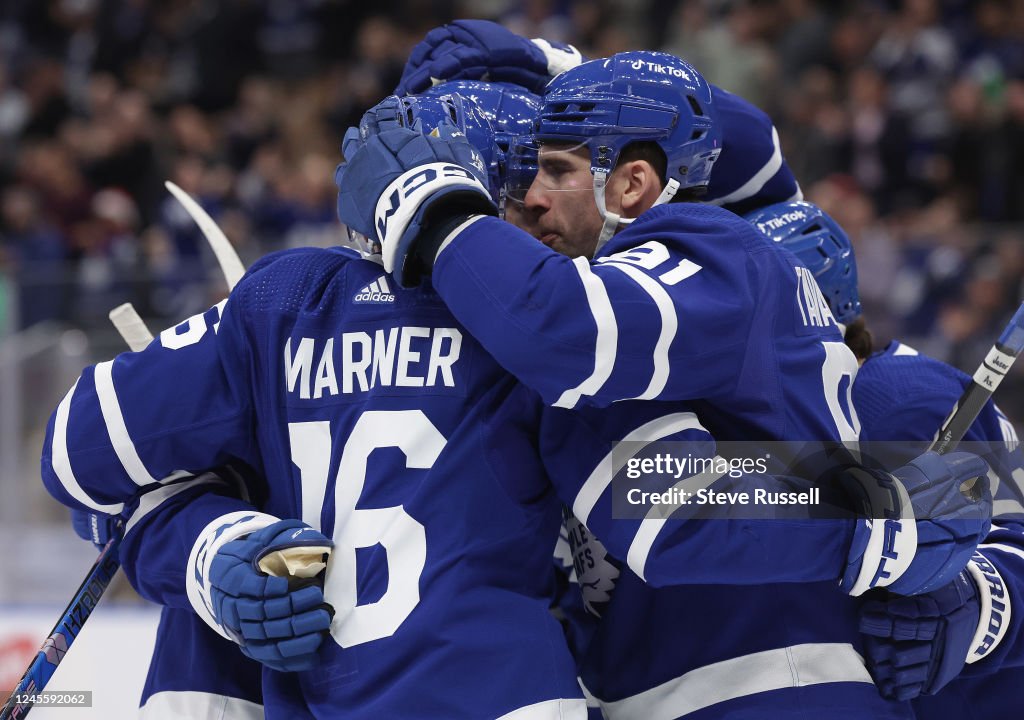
[{"x": 538, "y": 198}]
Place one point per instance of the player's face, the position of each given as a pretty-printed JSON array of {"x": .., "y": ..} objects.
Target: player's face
[{"x": 559, "y": 208}]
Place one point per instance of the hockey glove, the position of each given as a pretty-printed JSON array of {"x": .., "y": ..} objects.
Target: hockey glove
[
  {"x": 916, "y": 645},
  {"x": 483, "y": 50},
  {"x": 97, "y": 528},
  {"x": 279, "y": 621},
  {"x": 407, "y": 191},
  {"x": 922, "y": 529}
]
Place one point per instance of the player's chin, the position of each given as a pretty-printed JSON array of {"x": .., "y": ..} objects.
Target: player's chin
[{"x": 550, "y": 239}]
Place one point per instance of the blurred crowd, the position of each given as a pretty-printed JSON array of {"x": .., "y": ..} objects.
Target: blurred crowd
[{"x": 904, "y": 119}]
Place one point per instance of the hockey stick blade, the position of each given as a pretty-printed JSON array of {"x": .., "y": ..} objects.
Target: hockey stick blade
[
  {"x": 227, "y": 258},
  {"x": 131, "y": 327},
  {"x": 63, "y": 634},
  {"x": 984, "y": 382}
]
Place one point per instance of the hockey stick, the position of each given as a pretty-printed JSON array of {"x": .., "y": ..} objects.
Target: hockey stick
[
  {"x": 230, "y": 264},
  {"x": 41, "y": 669},
  {"x": 986, "y": 379},
  {"x": 125, "y": 317},
  {"x": 134, "y": 331}
]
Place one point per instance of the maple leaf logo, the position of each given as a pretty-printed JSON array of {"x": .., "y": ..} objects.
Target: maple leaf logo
[{"x": 594, "y": 569}]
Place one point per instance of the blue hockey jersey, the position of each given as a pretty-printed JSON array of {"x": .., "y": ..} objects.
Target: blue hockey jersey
[
  {"x": 195, "y": 673},
  {"x": 420, "y": 576},
  {"x": 902, "y": 395},
  {"x": 687, "y": 303},
  {"x": 368, "y": 410},
  {"x": 718, "y": 651}
]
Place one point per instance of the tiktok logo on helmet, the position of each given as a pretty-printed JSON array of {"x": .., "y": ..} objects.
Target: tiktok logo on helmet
[{"x": 678, "y": 72}]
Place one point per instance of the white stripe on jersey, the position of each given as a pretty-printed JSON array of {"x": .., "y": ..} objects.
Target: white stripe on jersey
[
  {"x": 62, "y": 463},
  {"x": 669, "y": 326},
  {"x": 1017, "y": 478},
  {"x": 793, "y": 666},
  {"x": 557, "y": 709},
  {"x": 602, "y": 475},
  {"x": 592, "y": 702},
  {"x": 152, "y": 500},
  {"x": 174, "y": 704},
  {"x": 651, "y": 525},
  {"x": 114, "y": 420},
  {"x": 1004, "y": 508},
  {"x": 197, "y": 574},
  {"x": 607, "y": 336},
  {"x": 752, "y": 186},
  {"x": 1003, "y": 548},
  {"x": 902, "y": 349}
]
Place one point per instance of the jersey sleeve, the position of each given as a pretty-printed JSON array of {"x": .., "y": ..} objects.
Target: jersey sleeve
[
  {"x": 162, "y": 526},
  {"x": 742, "y": 545},
  {"x": 180, "y": 405},
  {"x": 663, "y": 313},
  {"x": 174, "y": 530},
  {"x": 751, "y": 172}
]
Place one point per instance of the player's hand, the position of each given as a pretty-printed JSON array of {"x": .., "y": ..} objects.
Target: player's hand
[
  {"x": 916, "y": 645},
  {"x": 406, "y": 190},
  {"x": 279, "y": 621},
  {"x": 484, "y": 50},
  {"x": 926, "y": 520},
  {"x": 95, "y": 527}
]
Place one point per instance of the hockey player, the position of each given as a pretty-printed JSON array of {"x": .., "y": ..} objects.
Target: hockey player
[
  {"x": 257, "y": 380},
  {"x": 971, "y": 627},
  {"x": 689, "y": 276},
  {"x": 750, "y": 172},
  {"x": 381, "y": 422}
]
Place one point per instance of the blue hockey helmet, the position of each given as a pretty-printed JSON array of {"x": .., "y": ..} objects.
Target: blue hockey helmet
[
  {"x": 511, "y": 110},
  {"x": 816, "y": 239},
  {"x": 631, "y": 97},
  {"x": 428, "y": 113}
]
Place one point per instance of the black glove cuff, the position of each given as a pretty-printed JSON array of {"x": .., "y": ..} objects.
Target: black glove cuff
[{"x": 438, "y": 224}]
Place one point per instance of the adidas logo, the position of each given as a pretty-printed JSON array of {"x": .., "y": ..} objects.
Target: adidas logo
[{"x": 376, "y": 292}]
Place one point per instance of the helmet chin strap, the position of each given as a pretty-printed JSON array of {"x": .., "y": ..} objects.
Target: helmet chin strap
[{"x": 612, "y": 221}]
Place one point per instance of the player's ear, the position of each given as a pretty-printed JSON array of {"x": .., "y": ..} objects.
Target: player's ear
[{"x": 640, "y": 187}]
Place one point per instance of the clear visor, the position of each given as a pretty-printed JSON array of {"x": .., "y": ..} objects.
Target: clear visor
[{"x": 555, "y": 167}]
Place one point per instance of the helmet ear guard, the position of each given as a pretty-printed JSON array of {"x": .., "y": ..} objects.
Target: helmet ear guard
[
  {"x": 818, "y": 242},
  {"x": 612, "y": 220}
]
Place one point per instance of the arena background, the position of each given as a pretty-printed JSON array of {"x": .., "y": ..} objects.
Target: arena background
[{"x": 904, "y": 120}]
